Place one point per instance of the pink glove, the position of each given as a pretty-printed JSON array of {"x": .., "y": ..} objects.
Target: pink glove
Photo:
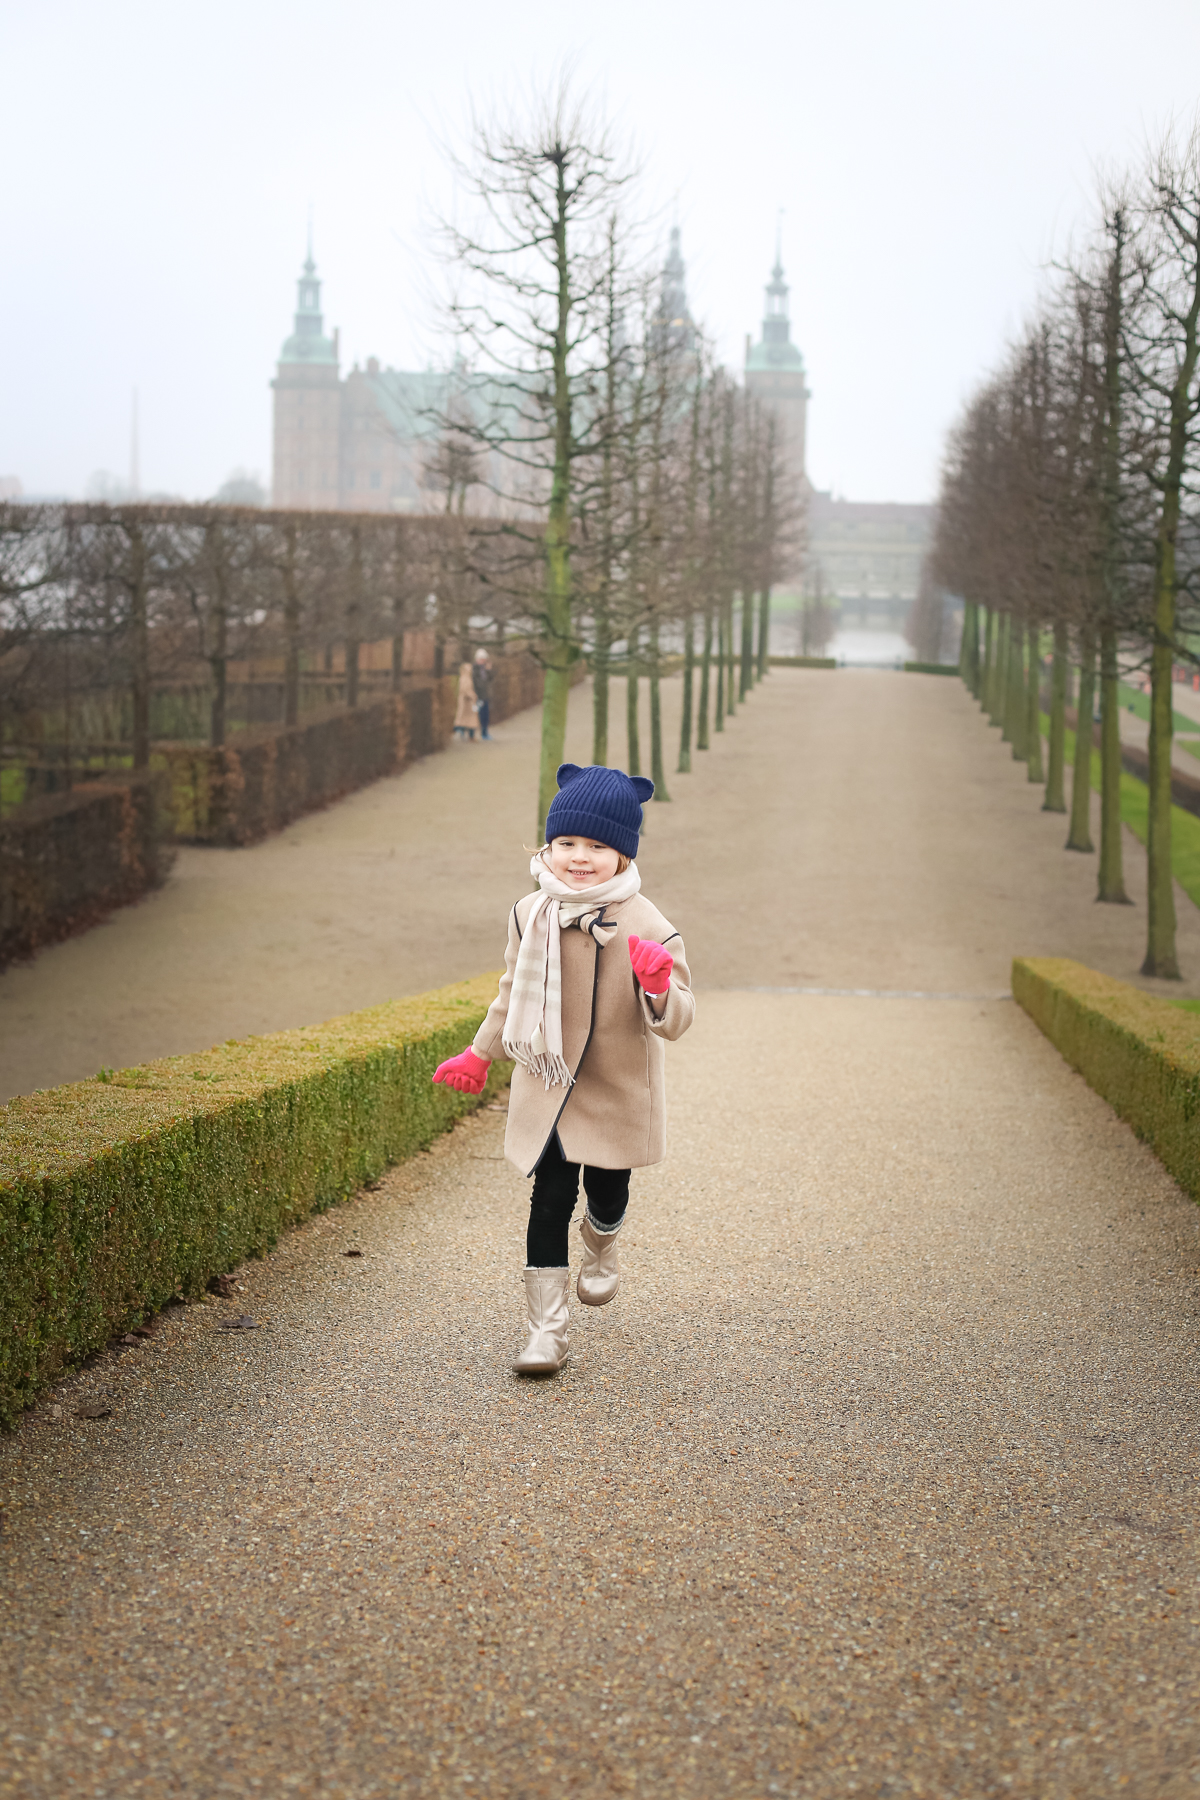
[
  {"x": 466, "y": 1072},
  {"x": 651, "y": 964}
]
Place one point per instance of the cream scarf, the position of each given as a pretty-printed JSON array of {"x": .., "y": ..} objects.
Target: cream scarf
[{"x": 533, "y": 1029}]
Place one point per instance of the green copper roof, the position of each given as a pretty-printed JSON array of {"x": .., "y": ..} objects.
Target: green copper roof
[
  {"x": 308, "y": 343},
  {"x": 308, "y": 349},
  {"x": 775, "y": 356}
]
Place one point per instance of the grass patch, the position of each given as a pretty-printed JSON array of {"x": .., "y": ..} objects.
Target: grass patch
[
  {"x": 1133, "y": 700},
  {"x": 1135, "y": 806}
]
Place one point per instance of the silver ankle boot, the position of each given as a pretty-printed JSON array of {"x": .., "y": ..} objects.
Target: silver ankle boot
[
  {"x": 547, "y": 1293},
  {"x": 600, "y": 1272}
]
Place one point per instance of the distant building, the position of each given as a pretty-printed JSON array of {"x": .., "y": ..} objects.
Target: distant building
[
  {"x": 377, "y": 440},
  {"x": 864, "y": 555},
  {"x": 867, "y": 556},
  {"x": 775, "y": 373},
  {"x": 364, "y": 442}
]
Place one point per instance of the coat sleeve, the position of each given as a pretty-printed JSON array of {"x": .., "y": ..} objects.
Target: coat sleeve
[
  {"x": 489, "y": 1039},
  {"x": 680, "y": 1009}
]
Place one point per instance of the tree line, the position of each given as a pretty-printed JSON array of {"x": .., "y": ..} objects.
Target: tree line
[
  {"x": 108, "y": 613},
  {"x": 644, "y": 497},
  {"x": 1069, "y": 519}
]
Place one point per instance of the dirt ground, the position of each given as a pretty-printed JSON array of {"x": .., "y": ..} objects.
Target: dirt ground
[{"x": 405, "y": 885}]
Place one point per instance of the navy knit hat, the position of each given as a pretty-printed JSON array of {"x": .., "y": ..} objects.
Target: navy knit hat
[{"x": 603, "y": 804}]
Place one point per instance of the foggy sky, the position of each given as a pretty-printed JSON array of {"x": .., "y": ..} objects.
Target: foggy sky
[{"x": 159, "y": 163}]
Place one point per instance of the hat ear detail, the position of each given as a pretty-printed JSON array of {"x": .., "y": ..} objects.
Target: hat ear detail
[
  {"x": 642, "y": 786},
  {"x": 567, "y": 772}
]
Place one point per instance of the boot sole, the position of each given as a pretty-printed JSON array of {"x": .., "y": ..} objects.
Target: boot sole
[{"x": 587, "y": 1300}]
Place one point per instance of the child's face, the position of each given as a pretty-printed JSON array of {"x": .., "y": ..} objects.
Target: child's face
[{"x": 581, "y": 862}]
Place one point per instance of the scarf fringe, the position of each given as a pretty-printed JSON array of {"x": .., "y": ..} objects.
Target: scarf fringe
[{"x": 552, "y": 1070}]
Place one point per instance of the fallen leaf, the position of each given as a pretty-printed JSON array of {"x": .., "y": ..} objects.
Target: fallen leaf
[
  {"x": 130, "y": 1339},
  {"x": 222, "y": 1285},
  {"x": 245, "y": 1323},
  {"x": 95, "y": 1409},
  {"x": 351, "y": 1252},
  {"x": 143, "y": 1331}
]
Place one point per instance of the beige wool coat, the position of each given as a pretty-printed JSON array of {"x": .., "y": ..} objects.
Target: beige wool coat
[{"x": 614, "y": 1116}]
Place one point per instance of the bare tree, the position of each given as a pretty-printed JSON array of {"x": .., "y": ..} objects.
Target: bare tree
[{"x": 533, "y": 303}]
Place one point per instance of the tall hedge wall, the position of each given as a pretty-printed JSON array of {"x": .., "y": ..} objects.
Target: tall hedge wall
[
  {"x": 1140, "y": 1053},
  {"x": 118, "y": 1192},
  {"x": 68, "y": 859},
  {"x": 262, "y": 779}
]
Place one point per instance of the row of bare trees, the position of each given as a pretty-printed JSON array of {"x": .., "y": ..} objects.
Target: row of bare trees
[
  {"x": 649, "y": 495},
  {"x": 1069, "y": 519},
  {"x": 120, "y": 624}
]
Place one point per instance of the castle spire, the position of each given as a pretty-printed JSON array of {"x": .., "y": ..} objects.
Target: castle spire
[
  {"x": 673, "y": 325},
  {"x": 308, "y": 343}
]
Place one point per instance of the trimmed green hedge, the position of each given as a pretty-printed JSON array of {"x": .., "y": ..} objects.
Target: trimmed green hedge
[
  {"x": 119, "y": 1192},
  {"x": 803, "y": 662},
  {"x": 1140, "y": 1053},
  {"x": 923, "y": 668}
]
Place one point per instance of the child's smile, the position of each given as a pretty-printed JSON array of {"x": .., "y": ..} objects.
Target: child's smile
[{"x": 581, "y": 862}]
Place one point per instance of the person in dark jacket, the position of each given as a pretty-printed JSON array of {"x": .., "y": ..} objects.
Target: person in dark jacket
[{"x": 481, "y": 674}]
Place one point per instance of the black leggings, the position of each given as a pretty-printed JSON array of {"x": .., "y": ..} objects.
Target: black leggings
[{"x": 555, "y": 1191}]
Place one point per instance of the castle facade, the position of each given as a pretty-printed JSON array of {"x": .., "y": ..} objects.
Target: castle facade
[{"x": 368, "y": 441}]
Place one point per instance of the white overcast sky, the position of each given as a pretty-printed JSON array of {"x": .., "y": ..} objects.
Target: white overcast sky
[{"x": 159, "y": 161}]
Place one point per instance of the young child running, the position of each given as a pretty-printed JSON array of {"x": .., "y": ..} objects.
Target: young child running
[{"x": 594, "y": 980}]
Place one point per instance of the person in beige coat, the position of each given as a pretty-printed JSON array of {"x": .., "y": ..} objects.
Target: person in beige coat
[
  {"x": 466, "y": 715},
  {"x": 595, "y": 982}
]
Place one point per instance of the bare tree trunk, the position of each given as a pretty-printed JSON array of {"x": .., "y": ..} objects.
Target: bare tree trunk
[
  {"x": 747, "y": 668},
  {"x": 719, "y": 708},
  {"x": 600, "y": 681},
  {"x": 1110, "y": 884},
  {"x": 1033, "y": 716},
  {"x": 557, "y": 648},
  {"x": 702, "y": 737},
  {"x": 1015, "y": 703},
  {"x": 730, "y": 657},
  {"x": 764, "y": 632},
  {"x": 1161, "y": 959},
  {"x": 989, "y": 661},
  {"x": 1000, "y": 677},
  {"x": 633, "y": 747},
  {"x": 1055, "y": 800},
  {"x": 689, "y": 674},
  {"x": 1079, "y": 834},
  {"x": 658, "y": 773}
]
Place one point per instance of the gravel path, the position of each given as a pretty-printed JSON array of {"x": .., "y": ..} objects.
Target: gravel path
[{"x": 879, "y": 1477}]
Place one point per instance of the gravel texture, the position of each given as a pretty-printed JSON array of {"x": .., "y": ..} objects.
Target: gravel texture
[{"x": 878, "y": 1477}]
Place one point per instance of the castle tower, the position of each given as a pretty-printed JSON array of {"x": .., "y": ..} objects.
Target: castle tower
[
  {"x": 307, "y": 423},
  {"x": 673, "y": 328},
  {"x": 775, "y": 370}
]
